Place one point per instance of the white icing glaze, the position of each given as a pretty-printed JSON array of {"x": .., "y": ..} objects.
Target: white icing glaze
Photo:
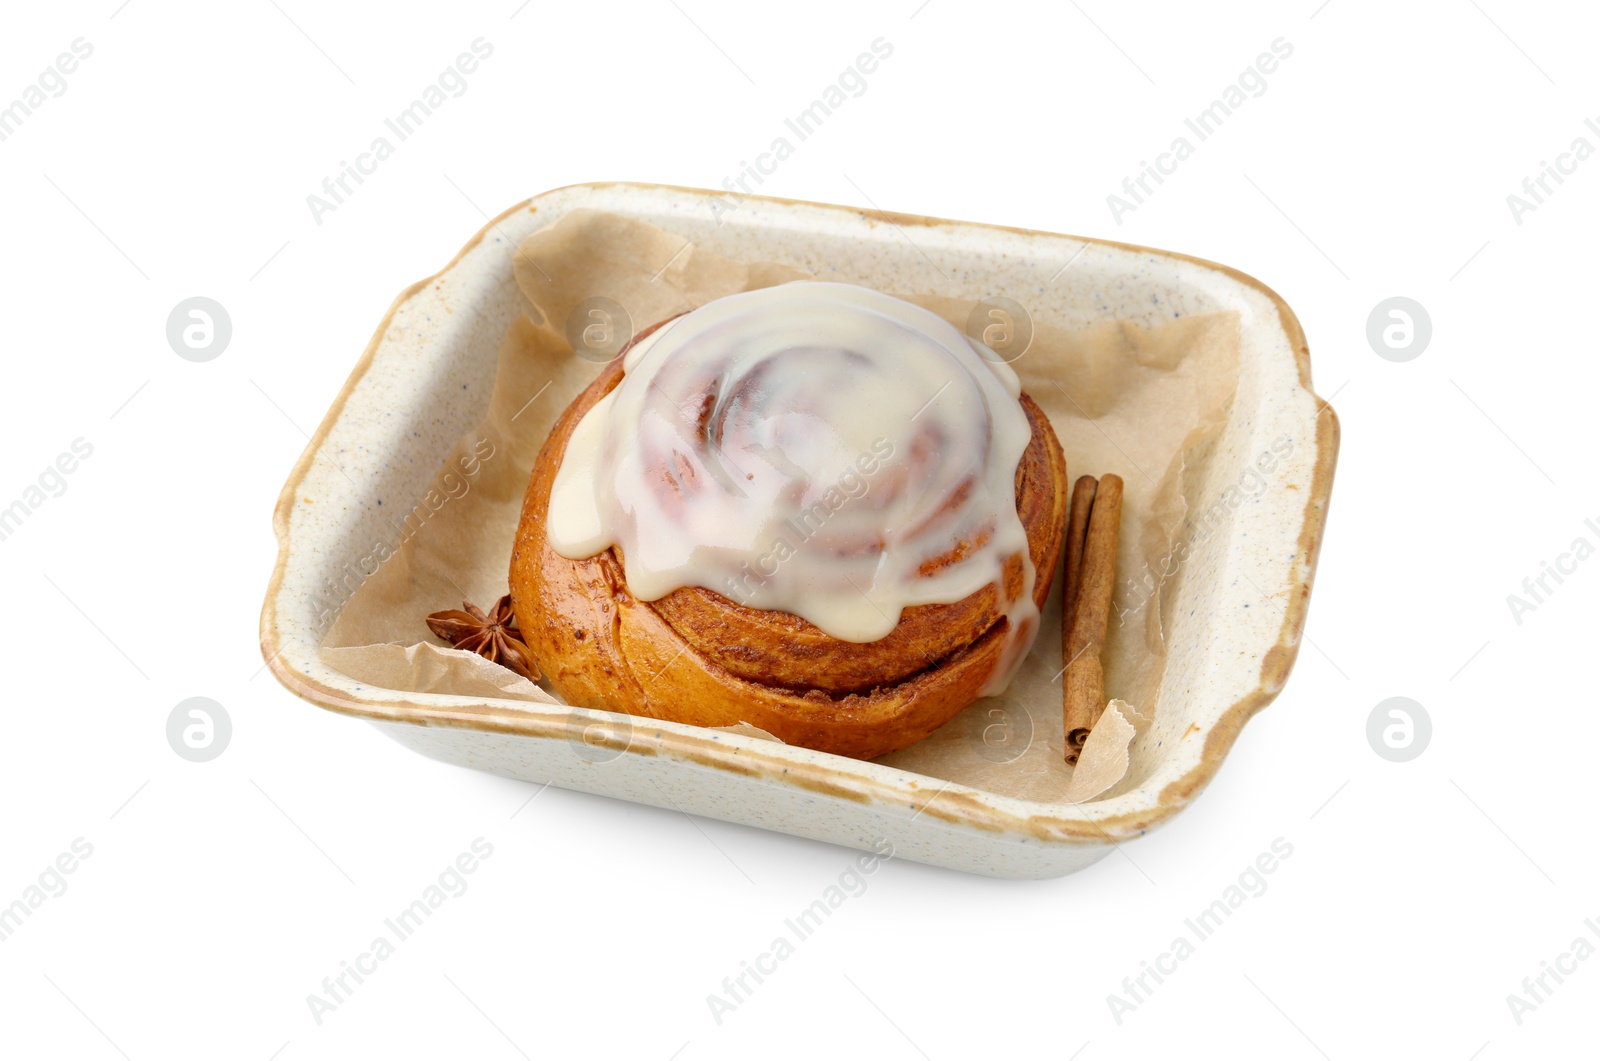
[{"x": 806, "y": 448}]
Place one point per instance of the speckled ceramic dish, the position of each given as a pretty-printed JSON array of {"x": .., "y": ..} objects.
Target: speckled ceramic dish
[{"x": 1226, "y": 660}]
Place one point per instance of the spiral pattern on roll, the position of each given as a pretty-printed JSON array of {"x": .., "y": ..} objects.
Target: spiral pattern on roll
[{"x": 815, "y": 448}]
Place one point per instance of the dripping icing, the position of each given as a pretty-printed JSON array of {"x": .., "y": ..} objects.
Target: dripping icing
[{"x": 815, "y": 448}]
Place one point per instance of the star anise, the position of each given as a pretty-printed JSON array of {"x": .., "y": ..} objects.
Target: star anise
[{"x": 495, "y": 637}]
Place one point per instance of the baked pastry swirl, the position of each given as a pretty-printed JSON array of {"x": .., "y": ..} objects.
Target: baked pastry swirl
[{"x": 813, "y": 508}]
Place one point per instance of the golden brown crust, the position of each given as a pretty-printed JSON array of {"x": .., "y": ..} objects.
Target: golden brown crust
[{"x": 695, "y": 656}]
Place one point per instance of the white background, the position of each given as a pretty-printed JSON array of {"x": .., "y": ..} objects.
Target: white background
[{"x": 219, "y": 895}]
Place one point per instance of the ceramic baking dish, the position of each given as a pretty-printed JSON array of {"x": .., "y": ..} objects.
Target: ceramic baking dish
[{"x": 1226, "y": 659}]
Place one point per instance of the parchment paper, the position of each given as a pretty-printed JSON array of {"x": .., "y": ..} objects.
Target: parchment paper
[{"x": 1122, "y": 398}]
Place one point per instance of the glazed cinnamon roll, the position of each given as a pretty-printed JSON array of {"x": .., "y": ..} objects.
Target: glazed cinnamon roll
[{"x": 813, "y": 508}]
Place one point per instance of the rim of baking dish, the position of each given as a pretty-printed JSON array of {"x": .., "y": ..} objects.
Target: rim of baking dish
[{"x": 1131, "y": 814}]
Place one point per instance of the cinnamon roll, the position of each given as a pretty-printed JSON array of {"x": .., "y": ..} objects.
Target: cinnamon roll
[{"x": 813, "y": 508}]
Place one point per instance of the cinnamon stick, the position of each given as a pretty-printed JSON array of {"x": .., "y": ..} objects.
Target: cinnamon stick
[
  {"x": 1077, "y": 528},
  {"x": 1084, "y": 686}
]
